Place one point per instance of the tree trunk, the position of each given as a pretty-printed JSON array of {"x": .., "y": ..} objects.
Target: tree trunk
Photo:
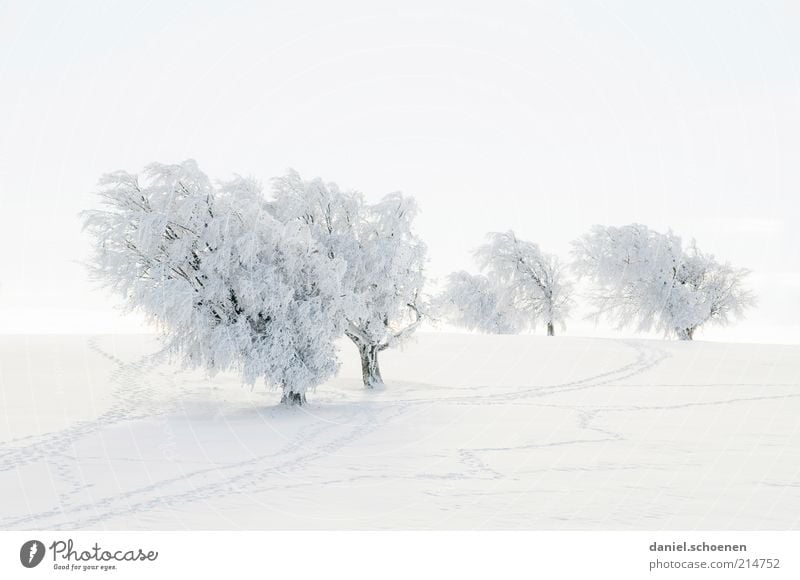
[
  {"x": 291, "y": 398},
  {"x": 370, "y": 369},
  {"x": 551, "y": 331}
]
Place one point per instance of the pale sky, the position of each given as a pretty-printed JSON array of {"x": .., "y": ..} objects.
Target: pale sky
[{"x": 544, "y": 117}]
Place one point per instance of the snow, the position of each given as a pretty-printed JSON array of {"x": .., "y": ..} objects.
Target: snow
[{"x": 471, "y": 431}]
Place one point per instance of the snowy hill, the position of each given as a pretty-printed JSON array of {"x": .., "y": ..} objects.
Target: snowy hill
[{"x": 471, "y": 432}]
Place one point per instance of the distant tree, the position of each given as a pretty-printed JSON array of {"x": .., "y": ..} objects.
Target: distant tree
[
  {"x": 384, "y": 260},
  {"x": 230, "y": 286},
  {"x": 536, "y": 281},
  {"x": 475, "y": 303},
  {"x": 647, "y": 278},
  {"x": 520, "y": 287}
]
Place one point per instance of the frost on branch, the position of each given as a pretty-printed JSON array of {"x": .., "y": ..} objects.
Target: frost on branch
[
  {"x": 536, "y": 280},
  {"x": 473, "y": 302},
  {"x": 230, "y": 286},
  {"x": 520, "y": 288},
  {"x": 650, "y": 280},
  {"x": 384, "y": 276}
]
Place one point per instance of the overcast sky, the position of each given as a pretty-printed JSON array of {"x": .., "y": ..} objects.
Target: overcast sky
[{"x": 544, "y": 117}]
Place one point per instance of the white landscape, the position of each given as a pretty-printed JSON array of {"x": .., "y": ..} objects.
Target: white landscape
[
  {"x": 470, "y": 432},
  {"x": 509, "y": 288}
]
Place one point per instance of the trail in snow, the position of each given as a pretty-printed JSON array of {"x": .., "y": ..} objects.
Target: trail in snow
[{"x": 175, "y": 450}]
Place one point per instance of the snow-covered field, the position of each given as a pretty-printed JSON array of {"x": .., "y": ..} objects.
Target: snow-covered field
[{"x": 471, "y": 432}]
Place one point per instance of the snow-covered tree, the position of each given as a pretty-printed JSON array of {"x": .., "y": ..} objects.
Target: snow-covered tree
[
  {"x": 536, "y": 280},
  {"x": 475, "y": 303},
  {"x": 384, "y": 275},
  {"x": 649, "y": 279},
  {"x": 230, "y": 286},
  {"x": 520, "y": 287}
]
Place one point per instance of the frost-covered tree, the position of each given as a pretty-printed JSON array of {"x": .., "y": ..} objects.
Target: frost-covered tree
[
  {"x": 649, "y": 279},
  {"x": 384, "y": 275},
  {"x": 230, "y": 286},
  {"x": 474, "y": 302},
  {"x": 536, "y": 280},
  {"x": 520, "y": 287}
]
